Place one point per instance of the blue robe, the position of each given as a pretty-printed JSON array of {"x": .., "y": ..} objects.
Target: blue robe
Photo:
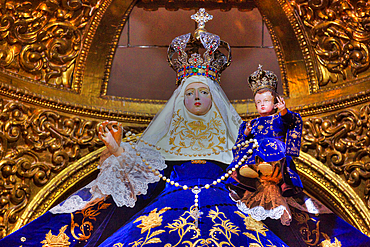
[
  {"x": 166, "y": 220},
  {"x": 279, "y": 137}
]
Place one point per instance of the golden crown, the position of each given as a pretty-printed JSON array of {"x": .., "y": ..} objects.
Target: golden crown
[
  {"x": 260, "y": 79},
  {"x": 184, "y": 57}
]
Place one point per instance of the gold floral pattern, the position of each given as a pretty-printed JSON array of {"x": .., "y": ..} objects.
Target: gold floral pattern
[
  {"x": 197, "y": 135},
  {"x": 56, "y": 241},
  {"x": 153, "y": 220},
  {"x": 327, "y": 242},
  {"x": 186, "y": 233}
]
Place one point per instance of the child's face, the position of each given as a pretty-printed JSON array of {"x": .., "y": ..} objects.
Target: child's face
[{"x": 265, "y": 103}]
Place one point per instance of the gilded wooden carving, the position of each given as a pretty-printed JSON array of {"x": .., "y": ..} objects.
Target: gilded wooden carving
[
  {"x": 41, "y": 41},
  {"x": 341, "y": 142},
  {"x": 339, "y": 34},
  {"x": 45, "y": 136},
  {"x": 35, "y": 145}
]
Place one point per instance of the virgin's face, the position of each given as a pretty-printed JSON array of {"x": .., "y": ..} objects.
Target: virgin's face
[
  {"x": 198, "y": 99},
  {"x": 265, "y": 103}
]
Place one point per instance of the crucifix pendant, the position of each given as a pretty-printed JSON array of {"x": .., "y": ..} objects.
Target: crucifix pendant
[{"x": 195, "y": 213}]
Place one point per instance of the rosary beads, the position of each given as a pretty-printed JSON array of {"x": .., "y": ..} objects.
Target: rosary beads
[{"x": 194, "y": 209}]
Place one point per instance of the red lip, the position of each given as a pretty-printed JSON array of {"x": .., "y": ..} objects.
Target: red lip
[{"x": 197, "y": 104}]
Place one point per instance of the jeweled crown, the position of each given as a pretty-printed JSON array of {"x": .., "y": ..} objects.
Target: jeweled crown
[
  {"x": 260, "y": 79},
  {"x": 189, "y": 62}
]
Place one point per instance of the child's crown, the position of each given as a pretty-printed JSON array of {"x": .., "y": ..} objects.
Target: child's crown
[
  {"x": 262, "y": 79},
  {"x": 189, "y": 62}
]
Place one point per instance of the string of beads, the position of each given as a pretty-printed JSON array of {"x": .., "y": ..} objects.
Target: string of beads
[{"x": 196, "y": 190}]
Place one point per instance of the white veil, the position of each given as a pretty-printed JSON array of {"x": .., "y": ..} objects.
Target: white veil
[{"x": 181, "y": 135}]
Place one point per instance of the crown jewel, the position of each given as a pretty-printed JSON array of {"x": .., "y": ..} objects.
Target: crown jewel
[
  {"x": 184, "y": 57},
  {"x": 262, "y": 79}
]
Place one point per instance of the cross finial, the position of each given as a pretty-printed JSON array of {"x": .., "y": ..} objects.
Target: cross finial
[{"x": 201, "y": 17}]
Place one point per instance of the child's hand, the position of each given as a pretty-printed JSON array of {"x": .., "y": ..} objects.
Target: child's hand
[
  {"x": 248, "y": 128},
  {"x": 281, "y": 105}
]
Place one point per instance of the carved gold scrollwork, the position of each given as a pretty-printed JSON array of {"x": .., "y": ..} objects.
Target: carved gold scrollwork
[
  {"x": 35, "y": 144},
  {"x": 42, "y": 42},
  {"x": 339, "y": 33},
  {"x": 342, "y": 142}
]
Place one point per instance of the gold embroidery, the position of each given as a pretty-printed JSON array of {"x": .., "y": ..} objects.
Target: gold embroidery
[
  {"x": 56, "y": 241},
  {"x": 327, "y": 242},
  {"x": 196, "y": 135},
  {"x": 310, "y": 237},
  {"x": 153, "y": 220},
  {"x": 185, "y": 224},
  {"x": 88, "y": 213}
]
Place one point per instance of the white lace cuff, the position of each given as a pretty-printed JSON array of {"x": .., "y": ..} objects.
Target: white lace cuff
[
  {"x": 126, "y": 176},
  {"x": 123, "y": 177}
]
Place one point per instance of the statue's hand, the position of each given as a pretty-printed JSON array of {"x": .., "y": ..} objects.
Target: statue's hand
[
  {"x": 248, "y": 128},
  {"x": 281, "y": 105},
  {"x": 111, "y": 134}
]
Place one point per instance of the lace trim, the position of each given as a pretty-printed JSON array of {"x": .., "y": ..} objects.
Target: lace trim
[
  {"x": 124, "y": 178},
  {"x": 72, "y": 204},
  {"x": 259, "y": 213},
  {"x": 266, "y": 202}
]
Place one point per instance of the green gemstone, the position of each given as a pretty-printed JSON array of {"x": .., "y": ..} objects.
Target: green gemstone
[{"x": 195, "y": 70}]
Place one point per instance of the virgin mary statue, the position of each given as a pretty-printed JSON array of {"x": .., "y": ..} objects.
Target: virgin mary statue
[{"x": 168, "y": 187}]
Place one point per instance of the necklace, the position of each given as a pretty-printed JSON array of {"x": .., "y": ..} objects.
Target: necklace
[{"x": 195, "y": 212}]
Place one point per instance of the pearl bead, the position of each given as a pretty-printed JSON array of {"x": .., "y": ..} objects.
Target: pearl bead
[
  {"x": 227, "y": 175},
  {"x": 160, "y": 175},
  {"x": 250, "y": 151},
  {"x": 196, "y": 196},
  {"x": 242, "y": 160},
  {"x": 156, "y": 173},
  {"x": 185, "y": 187},
  {"x": 214, "y": 182},
  {"x": 230, "y": 172},
  {"x": 177, "y": 184},
  {"x": 238, "y": 145},
  {"x": 234, "y": 147},
  {"x": 168, "y": 180},
  {"x": 144, "y": 160},
  {"x": 172, "y": 182},
  {"x": 222, "y": 177},
  {"x": 206, "y": 186},
  {"x": 237, "y": 166},
  {"x": 150, "y": 167},
  {"x": 196, "y": 204},
  {"x": 196, "y": 200},
  {"x": 240, "y": 163},
  {"x": 164, "y": 178},
  {"x": 243, "y": 143},
  {"x": 245, "y": 157},
  {"x": 233, "y": 169},
  {"x": 128, "y": 138},
  {"x": 218, "y": 180}
]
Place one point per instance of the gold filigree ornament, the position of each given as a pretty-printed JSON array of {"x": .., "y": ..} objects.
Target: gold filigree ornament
[
  {"x": 339, "y": 34},
  {"x": 42, "y": 41},
  {"x": 60, "y": 240}
]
